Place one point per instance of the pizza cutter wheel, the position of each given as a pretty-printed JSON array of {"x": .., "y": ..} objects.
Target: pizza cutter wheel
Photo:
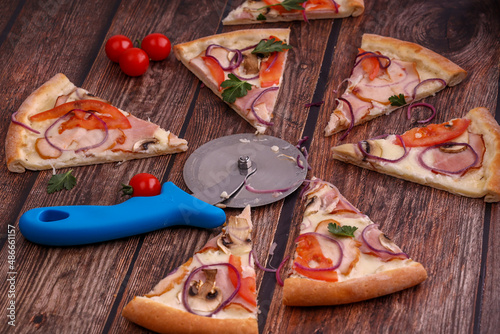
[{"x": 213, "y": 168}]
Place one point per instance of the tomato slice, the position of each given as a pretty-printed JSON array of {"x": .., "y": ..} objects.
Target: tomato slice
[
  {"x": 272, "y": 69},
  {"x": 309, "y": 249},
  {"x": 370, "y": 65},
  {"x": 434, "y": 134},
  {"x": 320, "y": 4},
  {"x": 215, "y": 69},
  {"x": 113, "y": 118},
  {"x": 248, "y": 286}
]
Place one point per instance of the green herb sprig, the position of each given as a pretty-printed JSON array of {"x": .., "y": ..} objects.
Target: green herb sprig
[
  {"x": 234, "y": 88},
  {"x": 397, "y": 100},
  {"x": 342, "y": 231},
  {"x": 59, "y": 182}
]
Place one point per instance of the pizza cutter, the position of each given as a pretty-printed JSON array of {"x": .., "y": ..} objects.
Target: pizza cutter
[{"x": 232, "y": 171}]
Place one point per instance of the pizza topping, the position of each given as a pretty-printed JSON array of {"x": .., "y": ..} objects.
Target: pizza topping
[
  {"x": 397, "y": 100},
  {"x": 215, "y": 70},
  {"x": 426, "y": 81},
  {"x": 455, "y": 158},
  {"x": 234, "y": 88},
  {"x": 422, "y": 104},
  {"x": 13, "y": 120},
  {"x": 287, "y": 5},
  {"x": 205, "y": 296},
  {"x": 254, "y": 105},
  {"x": 312, "y": 262},
  {"x": 236, "y": 236},
  {"x": 434, "y": 134},
  {"x": 342, "y": 231},
  {"x": 376, "y": 243},
  {"x": 371, "y": 149},
  {"x": 269, "y": 46},
  {"x": 248, "y": 287},
  {"x": 209, "y": 302},
  {"x": 351, "y": 121}
]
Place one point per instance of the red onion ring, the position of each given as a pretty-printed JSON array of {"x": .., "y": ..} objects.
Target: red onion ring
[
  {"x": 299, "y": 163},
  {"x": 301, "y": 141},
  {"x": 351, "y": 124},
  {"x": 426, "y": 80},
  {"x": 336, "y": 6},
  {"x": 224, "y": 303},
  {"x": 363, "y": 236},
  {"x": 304, "y": 16},
  {"x": 13, "y": 120},
  {"x": 243, "y": 78},
  {"x": 83, "y": 148},
  {"x": 256, "y": 99},
  {"x": 335, "y": 266},
  {"x": 460, "y": 171},
  {"x": 261, "y": 267},
  {"x": 422, "y": 104},
  {"x": 314, "y": 104},
  {"x": 282, "y": 264},
  {"x": 369, "y": 54},
  {"x": 371, "y": 156},
  {"x": 232, "y": 63},
  {"x": 272, "y": 63}
]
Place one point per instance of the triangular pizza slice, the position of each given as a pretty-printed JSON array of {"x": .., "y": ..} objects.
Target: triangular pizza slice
[
  {"x": 261, "y": 11},
  {"x": 244, "y": 68},
  {"x": 342, "y": 257},
  {"x": 387, "y": 74},
  {"x": 60, "y": 125},
  {"x": 213, "y": 292},
  {"x": 461, "y": 156}
]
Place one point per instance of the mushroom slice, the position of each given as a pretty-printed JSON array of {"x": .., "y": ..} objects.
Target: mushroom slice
[
  {"x": 143, "y": 145},
  {"x": 205, "y": 296},
  {"x": 250, "y": 63},
  {"x": 372, "y": 147},
  {"x": 387, "y": 243},
  {"x": 236, "y": 236},
  {"x": 463, "y": 138}
]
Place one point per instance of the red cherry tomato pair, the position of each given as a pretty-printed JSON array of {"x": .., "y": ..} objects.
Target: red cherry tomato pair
[
  {"x": 135, "y": 61},
  {"x": 142, "y": 184}
]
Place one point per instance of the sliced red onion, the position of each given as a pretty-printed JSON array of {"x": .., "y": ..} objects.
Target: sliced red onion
[
  {"x": 243, "y": 78},
  {"x": 261, "y": 267},
  {"x": 371, "y": 156},
  {"x": 460, "y": 171},
  {"x": 425, "y": 81},
  {"x": 336, "y": 6},
  {"x": 83, "y": 148},
  {"x": 233, "y": 63},
  {"x": 304, "y": 16},
  {"x": 13, "y": 120},
  {"x": 369, "y": 54},
  {"x": 314, "y": 104},
  {"x": 351, "y": 124},
  {"x": 365, "y": 239},
  {"x": 422, "y": 104},
  {"x": 224, "y": 303},
  {"x": 272, "y": 64},
  {"x": 316, "y": 234},
  {"x": 299, "y": 163},
  {"x": 251, "y": 46},
  {"x": 260, "y": 120},
  {"x": 278, "y": 277},
  {"x": 301, "y": 141}
]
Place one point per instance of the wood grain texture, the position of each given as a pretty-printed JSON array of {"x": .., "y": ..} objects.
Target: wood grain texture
[{"x": 83, "y": 289}]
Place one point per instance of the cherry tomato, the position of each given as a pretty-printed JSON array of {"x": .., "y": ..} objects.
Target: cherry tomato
[
  {"x": 157, "y": 46},
  {"x": 142, "y": 184},
  {"x": 434, "y": 134},
  {"x": 116, "y": 45},
  {"x": 134, "y": 62}
]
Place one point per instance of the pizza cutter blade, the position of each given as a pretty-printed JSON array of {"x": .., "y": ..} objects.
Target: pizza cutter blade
[{"x": 210, "y": 170}]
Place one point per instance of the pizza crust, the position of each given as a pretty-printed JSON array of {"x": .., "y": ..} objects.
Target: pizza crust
[
  {"x": 164, "y": 319},
  {"x": 20, "y": 142},
  {"x": 307, "y": 292},
  {"x": 347, "y": 8}
]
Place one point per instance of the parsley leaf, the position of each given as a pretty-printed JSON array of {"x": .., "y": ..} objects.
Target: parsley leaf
[
  {"x": 234, "y": 88},
  {"x": 343, "y": 231},
  {"x": 289, "y": 5},
  {"x": 270, "y": 45},
  {"x": 61, "y": 181},
  {"x": 261, "y": 17},
  {"x": 397, "y": 100}
]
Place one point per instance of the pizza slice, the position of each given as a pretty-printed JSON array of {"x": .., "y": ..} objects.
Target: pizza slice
[
  {"x": 389, "y": 73},
  {"x": 244, "y": 68},
  {"x": 342, "y": 257},
  {"x": 213, "y": 292},
  {"x": 461, "y": 156},
  {"x": 60, "y": 125},
  {"x": 260, "y": 11}
]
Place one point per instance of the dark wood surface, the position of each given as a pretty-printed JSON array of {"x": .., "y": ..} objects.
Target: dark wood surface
[{"x": 83, "y": 289}]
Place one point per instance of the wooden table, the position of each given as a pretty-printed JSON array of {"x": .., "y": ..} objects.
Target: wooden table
[{"x": 83, "y": 289}]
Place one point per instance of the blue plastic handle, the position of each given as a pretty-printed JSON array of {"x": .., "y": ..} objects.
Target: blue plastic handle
[{"x": 85, "y": 224}]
